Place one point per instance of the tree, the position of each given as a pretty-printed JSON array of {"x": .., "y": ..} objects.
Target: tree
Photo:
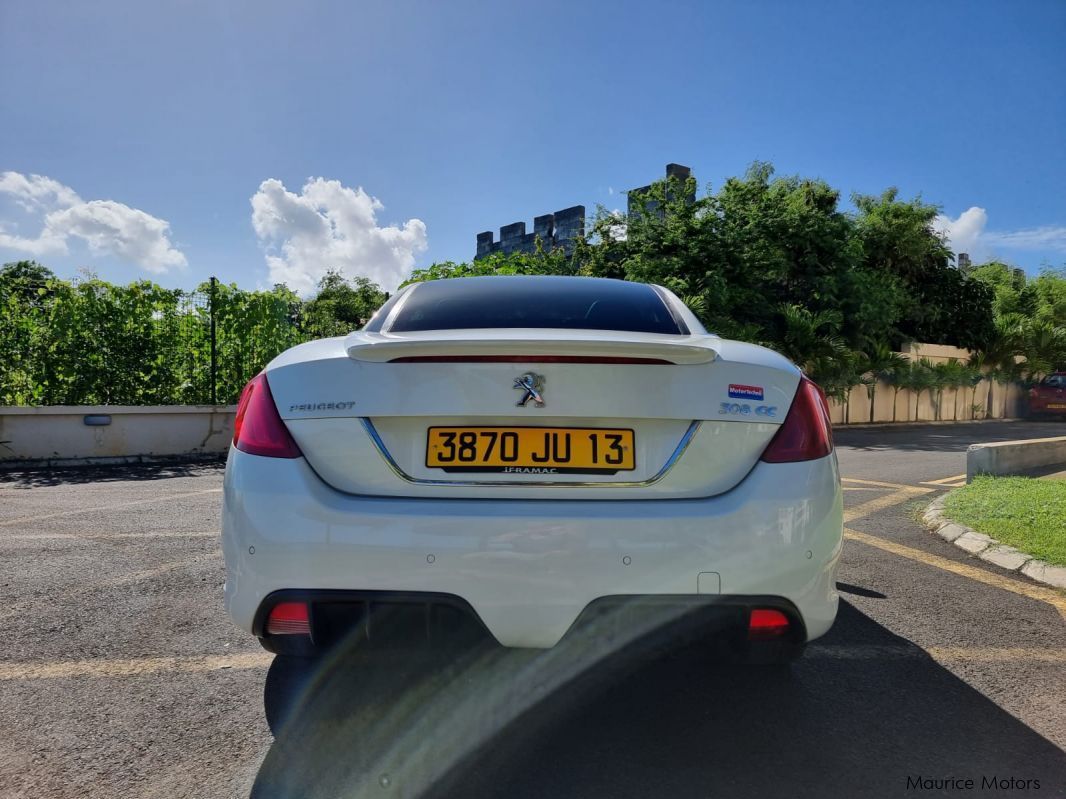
[
  {"x": 953, "y": 309},
  {"x": 539, "y": 262},
  {"x": 25, "y": 297},
  {"x": 24, "y": 276},
  {"x": 341, "y": 305},
  {"x": 1050, "y": 291},
  {"x": 740, "y": 255},
  {"x": 1010, "y": 290},
  {"x": 942, "y": 304}
]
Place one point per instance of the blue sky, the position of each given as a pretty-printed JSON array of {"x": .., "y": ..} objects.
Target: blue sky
[{"x": 265, "y": 140}]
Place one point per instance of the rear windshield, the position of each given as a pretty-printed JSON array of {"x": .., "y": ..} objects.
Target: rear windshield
[{"x": 516, "y": 301}]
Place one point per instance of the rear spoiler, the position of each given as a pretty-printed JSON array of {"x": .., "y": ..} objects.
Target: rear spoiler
[{"x": 455, "y": 344}]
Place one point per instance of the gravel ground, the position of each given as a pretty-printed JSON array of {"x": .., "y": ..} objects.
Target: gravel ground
[
  {"x": 122, "y": 677},
  {"x": 112, "y": 579}
]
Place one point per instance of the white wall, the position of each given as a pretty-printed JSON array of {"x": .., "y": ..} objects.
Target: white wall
[
  {"x": 954, "y": 405},
  {"x": 59, "y": 433}
]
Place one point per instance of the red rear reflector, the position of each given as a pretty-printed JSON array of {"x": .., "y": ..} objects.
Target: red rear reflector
[
  {"x": 525, "y": 359},
  {"x": 289, "y": 618},
  {"x": 257, "y": 428},
  {"x": 767, "y": 623},
  {"x": 806, "y": 433}
]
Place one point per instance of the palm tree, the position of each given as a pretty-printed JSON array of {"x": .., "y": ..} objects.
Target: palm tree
[
  {"x": 938, "y": 380},
  {"x": 1044, "y": 347},
  {"x": 836, "y": 376},
  {"x": 881, "y": 364},
  {"x": 811, "y": 340},
  {"x": 976, "y": 367},
  {"x": 997, "y": 357},
  {"x": 960, "y": 382},
  {"x": 921, "y": 377},
  {"x": 1005, "y": 376},
  {"x": 811, "y": 336},
  {"x": 897, "y": 378},
  {"x": 951, "y": 374}
]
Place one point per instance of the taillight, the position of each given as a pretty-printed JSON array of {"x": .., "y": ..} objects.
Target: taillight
[
  {"x": 289, "y": 618},
  {"x": 257, "y": 428},
  {"x": 766, "y": 623},
  {"x": 806, "y": 433}
]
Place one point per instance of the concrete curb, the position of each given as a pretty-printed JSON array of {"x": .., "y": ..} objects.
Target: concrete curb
[
  {"x": 989, "y": 549},
  {"x": 1014, "y": 457}
]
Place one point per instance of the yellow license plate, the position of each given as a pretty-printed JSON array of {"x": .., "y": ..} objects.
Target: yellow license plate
[{"x": 530, "y": 450}]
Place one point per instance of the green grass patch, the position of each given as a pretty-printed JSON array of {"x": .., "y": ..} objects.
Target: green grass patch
[{"x": 1019, "y": 511}]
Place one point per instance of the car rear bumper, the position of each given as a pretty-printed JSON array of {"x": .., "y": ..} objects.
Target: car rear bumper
[
  {"x": 529, "y": 569},
  {"x": 1049, "y": 406}
]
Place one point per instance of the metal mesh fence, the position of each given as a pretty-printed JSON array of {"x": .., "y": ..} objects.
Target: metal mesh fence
[{"x": 90, "y": 342}]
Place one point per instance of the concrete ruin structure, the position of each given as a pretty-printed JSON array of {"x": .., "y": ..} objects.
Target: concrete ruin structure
[
  {"x": 555, "y": 231},
  {"x": 562, "y": 229}
]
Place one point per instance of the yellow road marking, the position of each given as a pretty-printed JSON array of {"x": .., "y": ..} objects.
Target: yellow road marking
[
  {"x": 874, "y": 483},
  {"x": 944, "y": 480},
  {"x": 858, "y": 488},
  {"x": 1049, "y": 595},
  {"x": 42, "y": 517},
  {"x": 133, "y": 667},
  {"x": 902, "y": 494}
]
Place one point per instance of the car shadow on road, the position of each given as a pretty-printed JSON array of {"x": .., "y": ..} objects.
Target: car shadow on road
[
  {"x": 80, "y": 475},
  {"x": 943, "y": 438},
  {"x": 862, "y": 712}
]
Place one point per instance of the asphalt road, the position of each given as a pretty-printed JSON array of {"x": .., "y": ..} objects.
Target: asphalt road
[{"x": 121, "y": 677}]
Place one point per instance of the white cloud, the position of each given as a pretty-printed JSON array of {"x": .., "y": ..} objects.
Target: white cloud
[
  {"x": 963, "y": 234},
  {"x": 36, "y": 192},
  {"x": 107, "y": 226},
  {"x": 330, "y": 226},
  {"x": 111, "y": 227},
  {"x": 46, "y": 243},
  {"x": 967, "y": 233},
  {"x": 1048, "y": 237}
]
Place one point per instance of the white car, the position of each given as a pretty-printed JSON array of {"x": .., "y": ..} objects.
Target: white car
[{"x": 520, "y": 458}]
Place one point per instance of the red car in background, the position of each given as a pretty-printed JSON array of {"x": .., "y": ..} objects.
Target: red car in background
[{"x": 1049, "y": 396}]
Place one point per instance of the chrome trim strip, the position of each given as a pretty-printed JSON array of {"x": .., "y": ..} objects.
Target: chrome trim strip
[{"x": 674, "y": 458}]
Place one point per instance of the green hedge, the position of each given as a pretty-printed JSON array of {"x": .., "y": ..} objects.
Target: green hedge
[{"x": 93, "y": 342}]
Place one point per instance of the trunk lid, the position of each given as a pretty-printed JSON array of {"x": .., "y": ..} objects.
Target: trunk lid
[{"x": 699, "y": 410}]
